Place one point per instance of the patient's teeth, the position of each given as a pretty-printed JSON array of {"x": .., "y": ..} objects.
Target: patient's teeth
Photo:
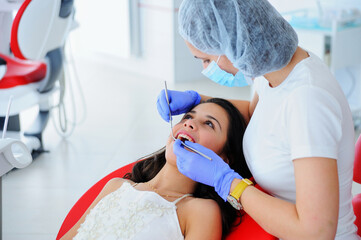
[{"x": 181, "y": 135}]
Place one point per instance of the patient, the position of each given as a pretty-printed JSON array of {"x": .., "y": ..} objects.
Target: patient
[{"x": 156, "y": 201}]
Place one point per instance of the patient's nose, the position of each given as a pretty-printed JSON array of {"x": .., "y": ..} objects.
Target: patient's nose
[{"x": 189, "y": 124}]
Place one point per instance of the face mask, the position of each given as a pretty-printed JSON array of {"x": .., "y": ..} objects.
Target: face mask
[{"x": 217, "y": 75}]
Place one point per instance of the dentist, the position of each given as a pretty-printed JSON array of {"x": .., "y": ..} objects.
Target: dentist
[{"x": 299, "y": 143}]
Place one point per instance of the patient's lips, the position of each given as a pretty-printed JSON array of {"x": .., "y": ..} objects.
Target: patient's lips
[{"x": 183, "y": 136}]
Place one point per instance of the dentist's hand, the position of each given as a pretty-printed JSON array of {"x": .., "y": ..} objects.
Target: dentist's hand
[
  {"x": 179, "y": 102},
  {"x": 215, "y": 173}
]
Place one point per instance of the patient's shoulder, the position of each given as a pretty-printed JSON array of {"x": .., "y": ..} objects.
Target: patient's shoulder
[
  {"x": 199, "y": 209},
  {"x": 201, "y": 206},
  {"x": 113, "y": 184},
  {"x": 201, "y": 215}
]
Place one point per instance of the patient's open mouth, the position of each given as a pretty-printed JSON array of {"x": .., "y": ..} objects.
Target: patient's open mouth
[{"x": 184, "y": 137}]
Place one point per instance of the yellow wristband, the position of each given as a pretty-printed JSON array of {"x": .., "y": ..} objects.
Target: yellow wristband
[{"x": 241, "y": 186}]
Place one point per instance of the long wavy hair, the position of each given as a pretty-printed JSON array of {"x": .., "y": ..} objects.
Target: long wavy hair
[{"x": 149, "y": 166}]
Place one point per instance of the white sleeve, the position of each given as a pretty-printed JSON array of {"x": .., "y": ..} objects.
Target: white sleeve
[
  {"x": 314, "y": 123},
  {"x": 259, "y": 85}
]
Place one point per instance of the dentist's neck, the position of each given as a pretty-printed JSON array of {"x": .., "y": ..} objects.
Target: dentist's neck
[{"x": 277, "y": 77}]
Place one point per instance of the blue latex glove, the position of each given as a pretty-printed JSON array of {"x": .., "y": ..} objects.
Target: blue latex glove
[
  {"x": 215, "y": 173},
  {"x": 179, "y": 102}
]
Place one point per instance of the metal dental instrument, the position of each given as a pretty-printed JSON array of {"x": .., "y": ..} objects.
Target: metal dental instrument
[
  {"x": 7, "y": 117},
  {"x": 171, "y": 126}
]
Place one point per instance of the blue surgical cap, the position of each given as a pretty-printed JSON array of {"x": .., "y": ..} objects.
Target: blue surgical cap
[{"x": 251, "y": 33}]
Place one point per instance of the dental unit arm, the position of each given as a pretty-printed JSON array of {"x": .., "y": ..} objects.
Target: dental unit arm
[{"x": 13, "y": 154}]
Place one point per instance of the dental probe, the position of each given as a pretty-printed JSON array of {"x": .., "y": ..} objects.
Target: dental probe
[
  {"x": 7, "y": 117},
  {"x": 171, "y": 126}
]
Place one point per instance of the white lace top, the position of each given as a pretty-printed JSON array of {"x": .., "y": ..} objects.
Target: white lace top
[{"x": 128, "y": 213}]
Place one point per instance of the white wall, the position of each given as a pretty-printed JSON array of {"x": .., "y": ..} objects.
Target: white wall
[
  {"x": 163, "y": 54},
  {"x": 290, "y": 5},
  {"x": 187, "y": 68}
]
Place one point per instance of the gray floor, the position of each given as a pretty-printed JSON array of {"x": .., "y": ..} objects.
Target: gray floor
[{"x": 122, "y": 125}]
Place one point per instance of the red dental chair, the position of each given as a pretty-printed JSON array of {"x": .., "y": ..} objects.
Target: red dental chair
[
  {"x": 38, "y": 36},
  {"x": 356, "y": 201},
  {"x": 248, "y": 229}
]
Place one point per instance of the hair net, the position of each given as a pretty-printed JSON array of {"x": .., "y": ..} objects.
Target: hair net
[{"x": 251, "y": 33}]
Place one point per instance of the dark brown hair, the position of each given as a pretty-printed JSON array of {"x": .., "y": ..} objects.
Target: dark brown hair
[{"x": 148, "y": 168}]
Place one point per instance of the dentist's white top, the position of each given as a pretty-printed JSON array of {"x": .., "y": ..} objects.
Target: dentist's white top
[
  {"x": 128, "y": 213},
  {"x": 307, "y": 115}
]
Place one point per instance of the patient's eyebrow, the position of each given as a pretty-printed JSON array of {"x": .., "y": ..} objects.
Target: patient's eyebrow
[{"x": 208, "y": 116}]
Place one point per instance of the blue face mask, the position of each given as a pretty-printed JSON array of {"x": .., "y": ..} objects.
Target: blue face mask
[{"x": 217, "y": 75}]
